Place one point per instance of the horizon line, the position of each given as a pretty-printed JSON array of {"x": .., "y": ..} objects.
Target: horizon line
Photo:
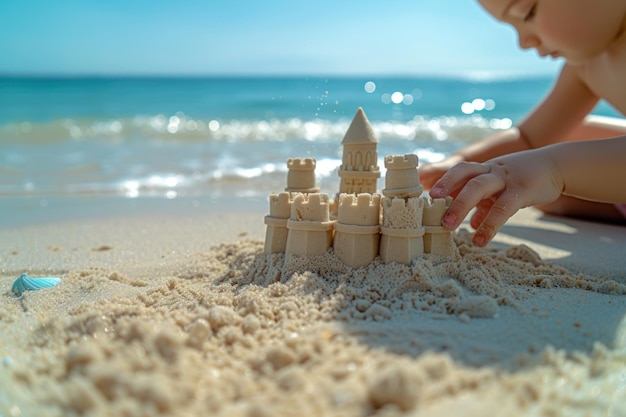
[{"x": 477, "y": 76}]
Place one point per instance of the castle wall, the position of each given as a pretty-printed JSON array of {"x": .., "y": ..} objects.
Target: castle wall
[
  {"x": 357, "y": 236},
  {"x": 401, "y": 232}
]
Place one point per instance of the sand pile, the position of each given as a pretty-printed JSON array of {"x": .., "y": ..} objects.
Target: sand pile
[
  {"x": 471, "y": 284},
  {"x": 235, "y": 332}
]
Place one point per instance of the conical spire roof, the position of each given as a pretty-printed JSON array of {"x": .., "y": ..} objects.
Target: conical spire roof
[{"x": 360, "y": 130}]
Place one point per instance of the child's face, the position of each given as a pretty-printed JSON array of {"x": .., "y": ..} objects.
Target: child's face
[{"x": 577, "y": 30}]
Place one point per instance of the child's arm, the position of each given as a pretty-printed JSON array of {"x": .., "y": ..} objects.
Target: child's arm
[
  {"x": 558, "y": 114},
  {"x": 592, "y": 170}
]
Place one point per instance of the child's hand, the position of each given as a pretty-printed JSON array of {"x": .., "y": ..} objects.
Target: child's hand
[{"x": 497, "y": 188}]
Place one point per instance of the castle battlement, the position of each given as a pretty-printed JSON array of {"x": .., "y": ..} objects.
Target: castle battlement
[
  {"x": 434, "y": 210},
  {"x": 408, "y": 161},
  {"x": 362, "y": 209},
  {"x": 280, "y": 205},
  {"x": 301, "y": 164},
  {"x": 399, "y": 213},
  {"x": 311, "y": 207}
]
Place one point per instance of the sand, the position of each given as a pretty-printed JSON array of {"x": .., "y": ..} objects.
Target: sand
[{"x": 172, "y": 309}]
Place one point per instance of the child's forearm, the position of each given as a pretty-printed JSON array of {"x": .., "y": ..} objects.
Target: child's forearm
[
  {"x": 500, "y": 143},
  {"x": 592, "y": 170}
]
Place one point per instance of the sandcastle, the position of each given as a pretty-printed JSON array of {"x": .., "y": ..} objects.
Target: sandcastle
[{"x": 359, "y": 224}]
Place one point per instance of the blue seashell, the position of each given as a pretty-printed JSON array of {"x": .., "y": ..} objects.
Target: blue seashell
[{"x": 26, "y": 283}]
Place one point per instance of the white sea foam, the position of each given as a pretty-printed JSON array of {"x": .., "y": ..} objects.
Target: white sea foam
[
  {"x": 171, "y": 155},
  {"x": 180, "y": 127}
]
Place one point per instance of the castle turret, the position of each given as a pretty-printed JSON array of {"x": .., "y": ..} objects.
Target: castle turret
[
  {"x": 301, "y": 175},
  {"x": 310, "y": 227},
  {"x": 359, "y": 170},
  {"x": 437, "y": 239},
  {"x": 276, "y": 231},
  {"x": 357, "y": 229},
  {"x": 402, "y": 178}
]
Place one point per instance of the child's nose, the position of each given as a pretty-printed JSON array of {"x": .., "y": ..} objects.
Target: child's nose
[{"x": 527, "y": 41}]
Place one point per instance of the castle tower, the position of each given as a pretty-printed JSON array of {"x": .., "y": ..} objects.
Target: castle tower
[
  {"x": 276, "y": 231},
  {"x": 402, "y": 179},
  {"x": 437, "y": 239},
  {"x": 359, "y": 171},
  {"x": 310, "y": 228},
  {"x": 301, "y": 175},
  {"x": 357, "y": 229},
  {"x": 402, "y": 235}
]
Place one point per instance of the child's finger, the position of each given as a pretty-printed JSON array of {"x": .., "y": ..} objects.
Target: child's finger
[
  {"x": 456, "y": 177},
  {"x": 501, "y": 210},
  {"x": 473, "y": 192},
  {"x": 482, "y": 209}
]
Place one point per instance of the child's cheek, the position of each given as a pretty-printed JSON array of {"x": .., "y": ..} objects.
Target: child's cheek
[{"x": 563, "y": 27}]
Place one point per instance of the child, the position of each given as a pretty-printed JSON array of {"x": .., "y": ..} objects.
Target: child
[{"x": 527, "y": 166}]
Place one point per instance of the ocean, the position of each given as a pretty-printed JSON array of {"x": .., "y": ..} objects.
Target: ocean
[{"x": 230, "y": 136}]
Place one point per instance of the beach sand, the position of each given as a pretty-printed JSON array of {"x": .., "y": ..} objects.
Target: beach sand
[{"x": 172, "y": 309}]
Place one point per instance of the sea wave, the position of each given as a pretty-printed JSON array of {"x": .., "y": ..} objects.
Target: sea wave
[
  {"x": 181, "y": 127},
  {"x": 177, "y": 155}
]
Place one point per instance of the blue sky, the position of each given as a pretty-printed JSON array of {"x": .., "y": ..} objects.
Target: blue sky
[{"x": 202, "y": 37}]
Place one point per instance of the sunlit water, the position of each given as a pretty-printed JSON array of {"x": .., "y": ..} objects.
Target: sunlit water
[{"x": 139, "y": 137}]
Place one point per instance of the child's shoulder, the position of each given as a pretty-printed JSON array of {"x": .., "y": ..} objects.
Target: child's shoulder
[{"x": 605, "y": 76}]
